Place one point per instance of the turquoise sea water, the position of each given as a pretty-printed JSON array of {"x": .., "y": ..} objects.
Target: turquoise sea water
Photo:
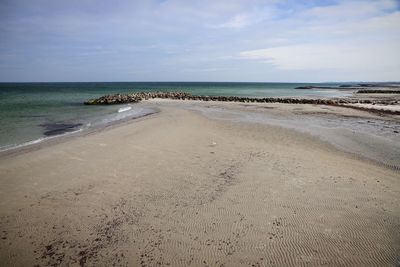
[{"x": 30, "y": 112}]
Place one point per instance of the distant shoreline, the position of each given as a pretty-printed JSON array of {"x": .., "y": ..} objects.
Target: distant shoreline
[{"x": 397, "y": 83}]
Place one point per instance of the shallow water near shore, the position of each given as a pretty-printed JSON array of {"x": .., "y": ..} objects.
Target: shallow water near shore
[
  {"x": 34, "y": 129},
  {"x": 373, "y": 139}
]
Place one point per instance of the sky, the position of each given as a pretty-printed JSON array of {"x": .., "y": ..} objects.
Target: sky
[{"x": 209, "y": 40}]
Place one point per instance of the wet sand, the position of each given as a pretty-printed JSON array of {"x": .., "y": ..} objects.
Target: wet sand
[{"x": 179, "y": 189}]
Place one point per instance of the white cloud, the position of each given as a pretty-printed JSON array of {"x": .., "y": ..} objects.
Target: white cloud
[
  {"x": 352, "y": 37},
  {"x": 330, "y": 56},
  {"x": 238, "y": 21}
]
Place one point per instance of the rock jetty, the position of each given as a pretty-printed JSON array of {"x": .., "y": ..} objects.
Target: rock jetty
[
  {"x": 366, "y": 91},
  {"x": 305, "y": 87},
  {"x": 137, "y": 97}
]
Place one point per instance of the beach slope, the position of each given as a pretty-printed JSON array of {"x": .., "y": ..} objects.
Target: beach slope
[{"x": 179, "y": 189}]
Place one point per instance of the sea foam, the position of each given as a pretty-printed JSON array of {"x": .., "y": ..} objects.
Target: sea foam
[{"x": 124, "y": 109}]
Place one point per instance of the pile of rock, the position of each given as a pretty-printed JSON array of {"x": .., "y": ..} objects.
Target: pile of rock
[
  {"x": 114, "y": 99},
  {"x": 305, "y": 87},
  {"x": 371, "y": 91},
  {"x": 169, "y": 95},
  {"x": 266, "y": 100},
  {"x": 136, "y": 97}
]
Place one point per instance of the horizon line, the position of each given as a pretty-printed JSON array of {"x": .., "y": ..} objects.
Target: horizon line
[{"x": 196, "y": 82}]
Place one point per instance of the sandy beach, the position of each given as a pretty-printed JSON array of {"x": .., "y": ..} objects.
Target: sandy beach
[{"x": 179, "y": 188}]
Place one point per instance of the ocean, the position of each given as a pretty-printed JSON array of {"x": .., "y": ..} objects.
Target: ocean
[{"x": 31, "y": 112}]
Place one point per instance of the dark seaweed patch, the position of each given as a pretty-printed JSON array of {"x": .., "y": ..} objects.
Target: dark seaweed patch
[{"x": 59, "y": 128}]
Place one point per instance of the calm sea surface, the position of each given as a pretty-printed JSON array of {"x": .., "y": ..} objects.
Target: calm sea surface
[{"x": 30, "y": 112}]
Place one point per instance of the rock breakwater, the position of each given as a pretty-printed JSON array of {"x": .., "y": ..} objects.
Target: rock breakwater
[
  {"x": 378, "y": 91},
  {"x": 137, "y": 97}
]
